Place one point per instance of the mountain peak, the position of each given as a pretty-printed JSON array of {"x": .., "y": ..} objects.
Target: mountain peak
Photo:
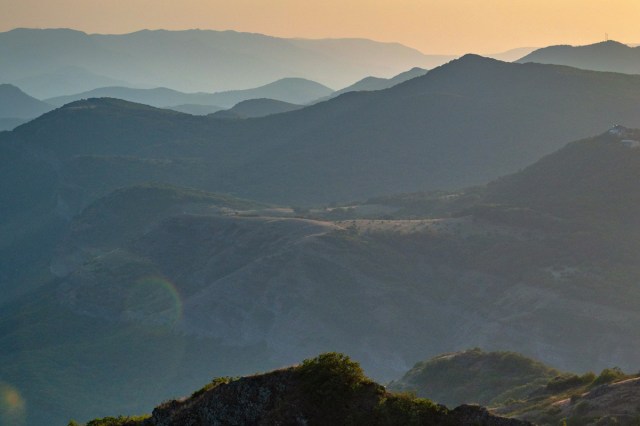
[
  {"x": 472, "y": 59},
  {"x": 14, "y": 103},
  {"x": 609, "y": 43},
  {"x": 10, "y": 89}
]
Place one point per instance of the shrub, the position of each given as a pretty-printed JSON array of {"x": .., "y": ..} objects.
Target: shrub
[
  {"x": 118, "y": 421},
  {"x": 405, "y": 409},
  {"x": 331, "y": 375},
  {"x": 569, "y": 381},
  {"x": 213, "y": 384},
  {"x": 609, "y": 375}
]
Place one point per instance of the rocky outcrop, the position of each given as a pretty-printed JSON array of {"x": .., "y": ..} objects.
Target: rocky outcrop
[{"x": 326, "y": 390}]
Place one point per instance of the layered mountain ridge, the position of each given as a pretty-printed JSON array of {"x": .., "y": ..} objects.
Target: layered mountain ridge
[
  {"x": 214, "y": 60},
  {"x": 402, "y": 139}
]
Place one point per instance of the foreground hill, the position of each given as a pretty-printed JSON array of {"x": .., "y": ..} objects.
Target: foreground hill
[
  {"x": 606, "y": 56},
  {"x": 214, "y": 60},
  {"x": 329, "y": 389},
  {"x": 16, "y": 104},
  {"x": 406, "y": 138},
  {"x": 293, "y": 90}
]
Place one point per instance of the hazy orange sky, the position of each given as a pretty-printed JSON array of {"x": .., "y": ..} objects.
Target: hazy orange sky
[{"x": 433, "y": 26}]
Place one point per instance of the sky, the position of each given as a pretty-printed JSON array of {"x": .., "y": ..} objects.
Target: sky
[{"x": 432, "y": 26}]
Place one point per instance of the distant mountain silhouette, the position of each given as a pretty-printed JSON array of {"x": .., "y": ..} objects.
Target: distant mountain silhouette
[
  {"x": 511, "y": 54},
  {"x": 253, "y": 108},
  {"x": 213, "y": 60},
  {"x": 64, "y": 80},
  {"x": 605, "y": 56},
  {"x": 293, "y": 90},
  {"x": 461, "y": 124},
  {"x": 11, "y": 123},
  {"x": 16, "y": 104},
  {"x": 377, "y": 83},
  {"x": 196, "y": 109}
]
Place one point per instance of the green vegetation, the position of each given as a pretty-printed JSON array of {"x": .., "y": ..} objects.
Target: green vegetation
[
  {"x": 475, "y": 376},
  {"x": 609, "y": 375},
  {"x": 580, "y": 400},
  {"x": 406, "y": 409},
  {"x": 568, "y": 381},
  {"x": 212, "y": 385},
  {"x": 331, "y": 375},
  {"x": 115, "y": 421}
]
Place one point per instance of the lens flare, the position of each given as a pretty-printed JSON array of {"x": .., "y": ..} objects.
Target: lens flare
[
  {"x": 12, "y": 406},
  {"x": 154, "y": 300}
]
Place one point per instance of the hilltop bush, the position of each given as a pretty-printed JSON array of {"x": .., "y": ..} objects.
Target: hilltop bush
[
  {"x": 406, "y": 409},
  {"x": 117, "y": 421},
  {"x": 609, "y": 375},
  {"x": 332, "y": 376},
  {"x": 213, "y": 384}
]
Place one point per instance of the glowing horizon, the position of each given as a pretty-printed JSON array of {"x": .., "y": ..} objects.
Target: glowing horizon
[{"x": 431, "y": 26}]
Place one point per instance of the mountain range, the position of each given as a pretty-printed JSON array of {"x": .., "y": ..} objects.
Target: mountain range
[
  {"x": 213, "y": 60},
  {"x": 291, "y": 90},
  {"x": 136, "y": 239},
  {"x": 407, "y": 138}
]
